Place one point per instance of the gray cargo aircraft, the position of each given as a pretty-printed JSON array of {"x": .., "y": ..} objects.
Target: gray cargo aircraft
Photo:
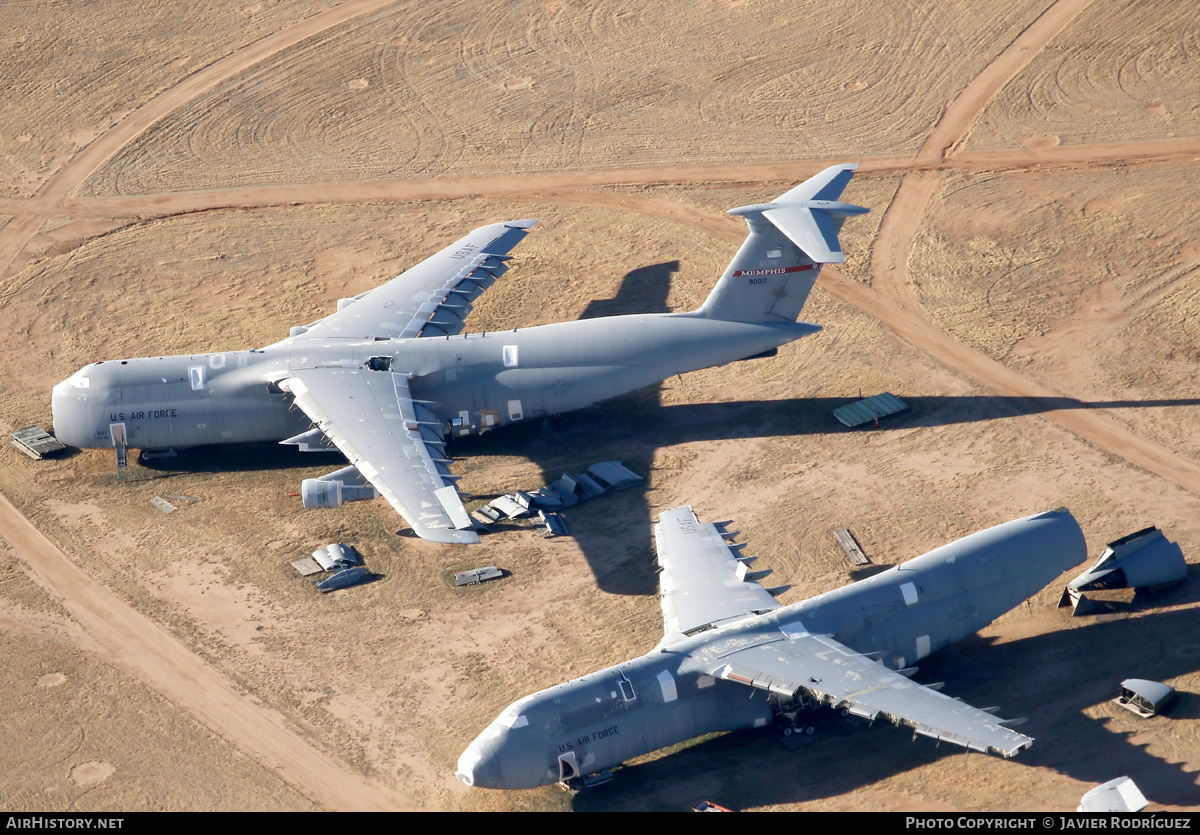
[
  {"x": 389, "y": 376},
  {"x": 727, "y": 639}
]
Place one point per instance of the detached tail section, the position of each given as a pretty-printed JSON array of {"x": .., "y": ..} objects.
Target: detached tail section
[{"x": 790, "y": 239}]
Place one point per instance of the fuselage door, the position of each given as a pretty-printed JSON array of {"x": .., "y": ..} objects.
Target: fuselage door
[
  {"x": 568, "y": 767},
  {"x": 628, "y": 694}
]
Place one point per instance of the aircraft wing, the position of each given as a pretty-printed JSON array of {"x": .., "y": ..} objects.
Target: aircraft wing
[
  {"x": 431, "y": 299},
  {"x": 394, "y": 442},
  {"x": 704, "y": 581},
  {"x": 789, "y": 661}
]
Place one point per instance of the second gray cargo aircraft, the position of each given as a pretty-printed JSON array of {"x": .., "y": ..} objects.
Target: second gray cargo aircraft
[
  {"x": 725, "y": 639},
  {"x": 388, "y": 376}
]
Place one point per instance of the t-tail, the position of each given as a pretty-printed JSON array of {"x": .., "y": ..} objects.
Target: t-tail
[{"x": 790, "y": 238}]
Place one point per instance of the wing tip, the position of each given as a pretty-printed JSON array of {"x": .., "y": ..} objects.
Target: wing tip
[{"x": 447, "y": 536}]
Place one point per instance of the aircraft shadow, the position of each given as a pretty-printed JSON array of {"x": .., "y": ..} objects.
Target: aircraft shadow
[
  {"x": 616, "y": 535},
  {"x": 614, "y": 532},
  {"x": 1054, "y": 679},
  {"x": 241, "y": 457}
]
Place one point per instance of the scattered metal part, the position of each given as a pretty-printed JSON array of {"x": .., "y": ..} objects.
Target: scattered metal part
[
  {"x": 162, "y": 504},
  {"x": 1143, "y": 697},
  {"x": 510, "y": 507},
  {"x": 586, "y": 487},
  {"x": 566, "y": 492},
  {"x": 869, "y": 409},
  {"x": 344, "y": 555},
  {"x": 181, "y": 497},
  {"x": 1119, "y": 795},
  {"x": 344, "y": 579},
  {"x": 486, "y": 515},
  {"x": 337, "y": 555},
  {"x": 477, "y": 575},
  {"x": 1145, "y": 559},
  {"x": 552, "y": 525},
  {"x": 614, "y": 475}
]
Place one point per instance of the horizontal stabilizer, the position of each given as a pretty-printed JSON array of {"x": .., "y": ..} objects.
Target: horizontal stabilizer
[
  {"x": 789, "y": 239},
  {"x": 808, "y": 215},
  {"x": 811, "y": 227}
]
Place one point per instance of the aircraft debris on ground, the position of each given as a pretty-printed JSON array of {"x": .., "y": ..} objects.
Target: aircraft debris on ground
[
  {"x": 869, "y": 409},
  {"x": 1143, "y": 697},
  {"x": 1118, "y": 795},
  {"x": 552, "y": 525},
  {"x": 342, "y": 561},
  {"x": 344, "y": 578},
  {"x": 477, "y": 575},
  {"x": 568, "y": 491},
  {"x": 1145, "y": 559},
  {"x": 36, "y": 442}
]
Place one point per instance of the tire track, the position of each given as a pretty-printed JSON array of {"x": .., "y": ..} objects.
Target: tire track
[
  {"x": 15, "y": 236},
  {"x": 910, "y": 325},
  {"x": 141, "y": 646},
  {"x": 1155, "y": 151},
  {"x": 130, "y": 639},
  {"x": 896, "y": 304}
]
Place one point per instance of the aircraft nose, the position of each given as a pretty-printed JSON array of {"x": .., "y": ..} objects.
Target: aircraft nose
[
  {"x": 65, "y": 407},
  {"x": 478, "y": 766}
]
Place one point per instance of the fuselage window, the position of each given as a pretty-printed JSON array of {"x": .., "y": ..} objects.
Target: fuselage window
[
  {"x": 510, "y": 356},
  {"x": 196, "y": 372}
]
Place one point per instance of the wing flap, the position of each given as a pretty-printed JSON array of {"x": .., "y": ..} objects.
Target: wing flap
[
  {"x": 393, "y": 441},
  {"x": 831, "y": 673}
]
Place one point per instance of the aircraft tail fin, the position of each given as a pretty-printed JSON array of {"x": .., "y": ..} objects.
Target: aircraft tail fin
[{"x": 790, "y": 239}]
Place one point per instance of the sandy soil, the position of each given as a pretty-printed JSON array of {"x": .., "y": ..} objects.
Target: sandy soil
[{"x": 1026, "y": 281}]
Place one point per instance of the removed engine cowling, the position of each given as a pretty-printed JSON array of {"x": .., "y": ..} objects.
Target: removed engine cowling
[
  {"x": 1143, "y": 560},
  {"x": 337, "y": 488}
]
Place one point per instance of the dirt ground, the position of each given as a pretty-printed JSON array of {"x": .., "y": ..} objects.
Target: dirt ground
[{"x": 1027, "y": 281}]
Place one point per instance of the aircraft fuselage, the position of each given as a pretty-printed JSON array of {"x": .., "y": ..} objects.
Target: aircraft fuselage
[
  {"x": 477, "y": 381},
  {"x": 902, "y": 614}
]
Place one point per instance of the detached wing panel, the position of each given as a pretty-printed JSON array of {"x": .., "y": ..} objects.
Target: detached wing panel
[
  {"x": 434, "y": 297},
  {"x": 394, "y": 442},
  {"x": 793, "y": 661},
  {"x": 703, "y": 579}
]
